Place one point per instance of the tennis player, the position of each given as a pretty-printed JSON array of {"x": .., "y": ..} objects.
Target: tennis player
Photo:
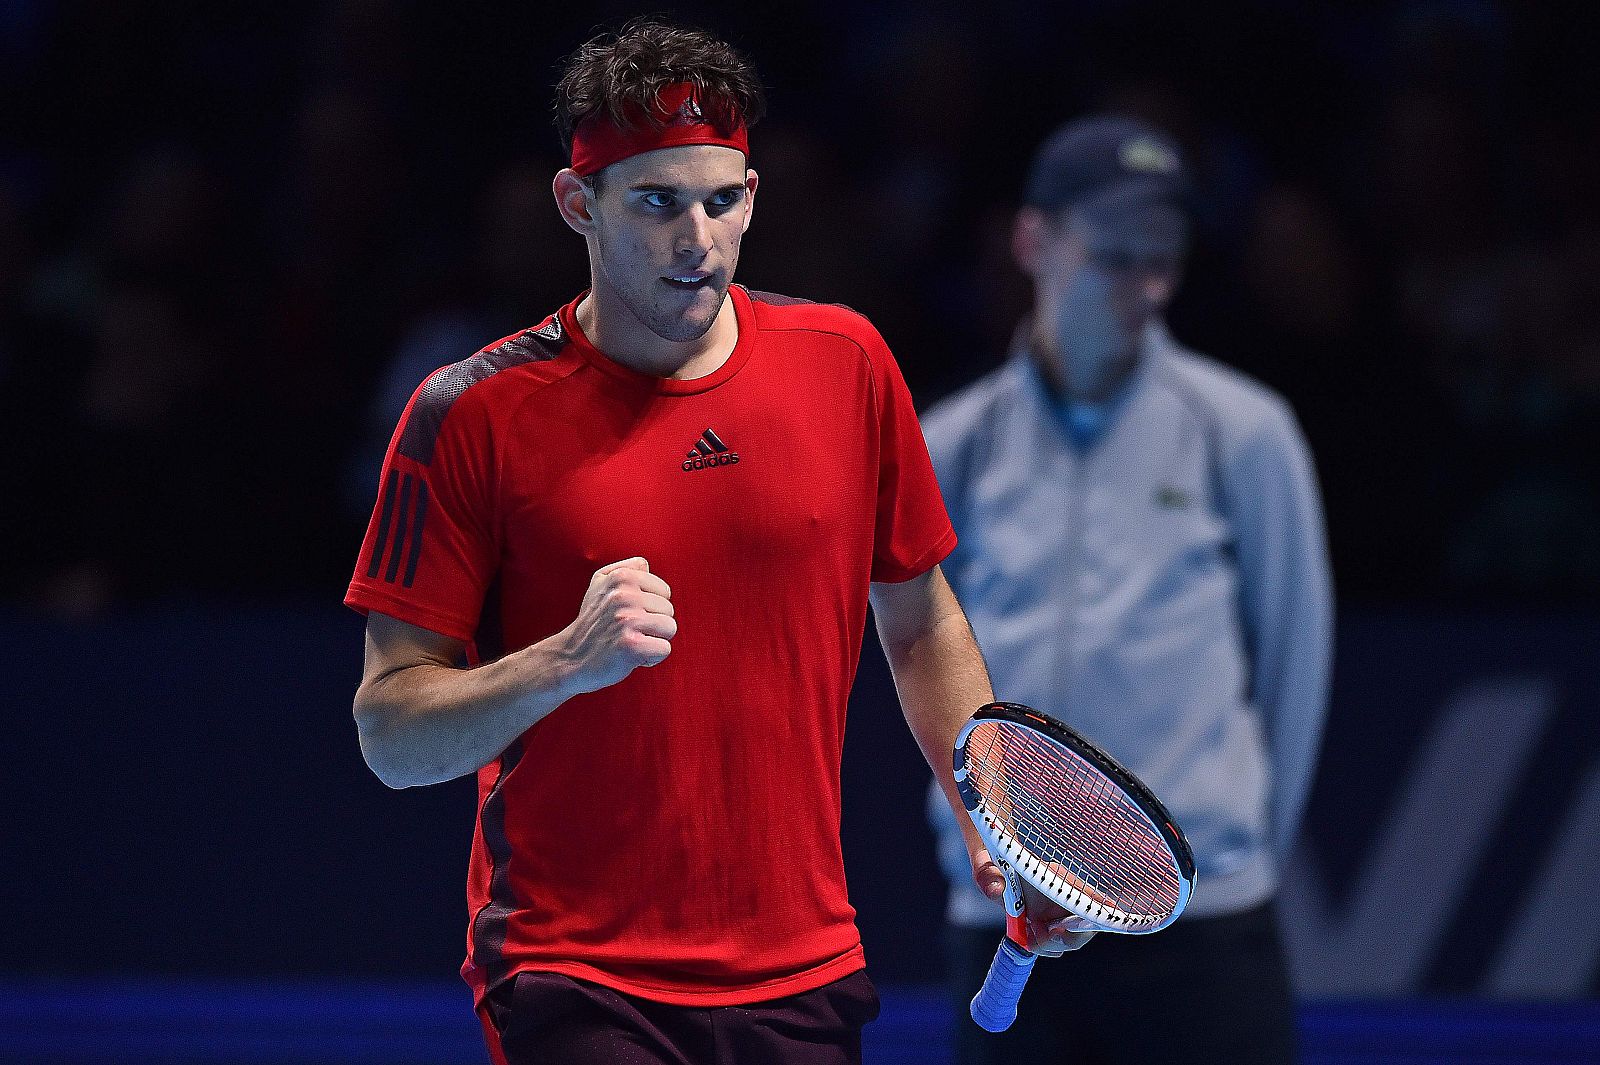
[{"x": 619, "y": 568}]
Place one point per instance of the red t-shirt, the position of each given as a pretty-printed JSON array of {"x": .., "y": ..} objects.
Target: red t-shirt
[{"x": 676, "y": 835}]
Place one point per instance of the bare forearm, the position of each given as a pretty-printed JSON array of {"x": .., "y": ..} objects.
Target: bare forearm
[
  {"x": 432, "y": 722},
  {"x": 423, "y": 719},
  {"x": 941, "y": 679},
  {"x": 940, "y": 675}
]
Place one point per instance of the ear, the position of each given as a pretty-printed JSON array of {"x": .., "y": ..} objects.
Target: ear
[
  {"x": 1027, "y": 239},
  {"x": 574, "y": 199},
  {"x": 751, "y": 180}
]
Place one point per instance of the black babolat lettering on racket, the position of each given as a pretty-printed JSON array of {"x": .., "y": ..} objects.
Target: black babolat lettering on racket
[{"x": 1060, "y": 814}]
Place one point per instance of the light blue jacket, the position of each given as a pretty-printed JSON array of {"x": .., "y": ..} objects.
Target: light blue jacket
[{"x": 1164, "y": 590}]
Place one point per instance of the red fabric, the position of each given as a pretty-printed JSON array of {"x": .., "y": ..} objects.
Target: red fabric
[
  {"x": 674, "y": 836},
  {"x": 597, "y": 142}
]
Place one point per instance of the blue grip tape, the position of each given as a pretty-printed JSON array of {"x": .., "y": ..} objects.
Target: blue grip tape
[{"x": 994, "y": 1007}]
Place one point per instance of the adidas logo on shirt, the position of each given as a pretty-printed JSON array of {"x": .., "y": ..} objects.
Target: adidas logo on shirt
[{"x": 709, "y": 452}]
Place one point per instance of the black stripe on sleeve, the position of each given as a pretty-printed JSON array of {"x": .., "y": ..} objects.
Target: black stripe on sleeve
[
  {"x": 382, "y": 539},
  {"x": 416, "y": 533},
  {"x": 399, "y": 531}
]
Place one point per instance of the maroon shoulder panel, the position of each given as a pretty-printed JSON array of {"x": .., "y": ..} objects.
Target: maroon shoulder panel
[{"x": 441, "y": 390}]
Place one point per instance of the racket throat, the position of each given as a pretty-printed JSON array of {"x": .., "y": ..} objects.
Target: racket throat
[
  {"x": 1016, "y": 918},
  {"x": 1017, "y": 931}
]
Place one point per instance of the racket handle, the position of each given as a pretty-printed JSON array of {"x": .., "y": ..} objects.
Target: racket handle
[{"x": 994, "y": 1007}]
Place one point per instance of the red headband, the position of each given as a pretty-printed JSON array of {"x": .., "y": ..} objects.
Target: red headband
[{"x": 597, "y": 142}]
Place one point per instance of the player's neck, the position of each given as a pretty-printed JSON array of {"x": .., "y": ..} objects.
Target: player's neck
[{"x": 622, "y": 338}]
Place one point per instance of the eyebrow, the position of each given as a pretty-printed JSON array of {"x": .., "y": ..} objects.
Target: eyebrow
[{"x": 673, "y": 190}]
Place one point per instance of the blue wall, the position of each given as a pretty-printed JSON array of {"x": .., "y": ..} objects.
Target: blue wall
[{"x": 185, "y": 796}]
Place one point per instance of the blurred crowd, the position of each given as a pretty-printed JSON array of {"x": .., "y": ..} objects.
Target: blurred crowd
[{"x": 233, "y": 239}]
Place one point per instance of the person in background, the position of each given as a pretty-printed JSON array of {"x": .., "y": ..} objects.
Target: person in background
[{"x": 1141, "y": 553}]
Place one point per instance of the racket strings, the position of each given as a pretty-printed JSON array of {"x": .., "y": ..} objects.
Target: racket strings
[
  {"x": 1119, "y": 871},
  {"x": 1135, "y": 896},
  {"x": 1112, "y": 820},
  {"x": 1098, "y": 821},
  {"x": 1138, "y": 891},
  {"x": 1069, "y": 816}
]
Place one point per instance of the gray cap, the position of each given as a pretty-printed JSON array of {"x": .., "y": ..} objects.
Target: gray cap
[{"x": 1108, "y": 160}]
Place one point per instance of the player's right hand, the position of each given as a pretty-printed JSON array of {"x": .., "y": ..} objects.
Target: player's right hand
[{"x": 625, "y": 621}]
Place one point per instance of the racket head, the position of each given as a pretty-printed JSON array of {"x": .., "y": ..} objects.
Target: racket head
[{"x": 1077, "y": 826}]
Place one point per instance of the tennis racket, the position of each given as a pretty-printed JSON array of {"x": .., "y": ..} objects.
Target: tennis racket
[{"x": 1061, "y": 815}]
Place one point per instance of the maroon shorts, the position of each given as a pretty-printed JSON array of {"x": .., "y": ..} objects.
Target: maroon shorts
[{"x": 546, "y": 1019}]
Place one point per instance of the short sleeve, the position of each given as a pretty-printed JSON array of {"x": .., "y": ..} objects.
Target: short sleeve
[
  {"x": 430, "y": 552},
  {"x": 913, "y": 531}
]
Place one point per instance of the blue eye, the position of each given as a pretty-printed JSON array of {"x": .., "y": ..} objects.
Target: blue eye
[{"x": 658, "y": 199}]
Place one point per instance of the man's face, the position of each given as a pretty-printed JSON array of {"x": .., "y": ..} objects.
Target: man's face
[
  {"x": 1100, "y": 277},
  {"x": 668, "y": 224}
]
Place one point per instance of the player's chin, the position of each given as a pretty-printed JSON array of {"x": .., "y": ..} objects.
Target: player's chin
[{"x": 687, "y": 314}]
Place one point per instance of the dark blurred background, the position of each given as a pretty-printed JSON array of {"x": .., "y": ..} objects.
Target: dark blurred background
[{"x": 234, "y": 237}]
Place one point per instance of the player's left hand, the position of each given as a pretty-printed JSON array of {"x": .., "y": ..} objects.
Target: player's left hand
[
  {"x": 986, "y": 873},
  {"x": 1052, "y": 930}
]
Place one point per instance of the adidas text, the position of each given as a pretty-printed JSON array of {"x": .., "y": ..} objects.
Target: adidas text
[{"x": 711, "y": 462}]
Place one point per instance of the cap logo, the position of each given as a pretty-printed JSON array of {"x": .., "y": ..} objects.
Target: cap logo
[
  {"x": 1147, "y": 156},
  {"x": 689, "y": 112}
]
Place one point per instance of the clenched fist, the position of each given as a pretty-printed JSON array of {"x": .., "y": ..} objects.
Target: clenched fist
[{"x": 626, "y": 621}]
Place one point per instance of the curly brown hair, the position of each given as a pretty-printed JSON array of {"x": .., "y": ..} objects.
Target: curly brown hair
[{"x": 624, "y": 73}]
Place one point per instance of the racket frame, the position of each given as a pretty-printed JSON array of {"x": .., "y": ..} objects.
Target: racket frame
[{"x": 1009, "y": 854}]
